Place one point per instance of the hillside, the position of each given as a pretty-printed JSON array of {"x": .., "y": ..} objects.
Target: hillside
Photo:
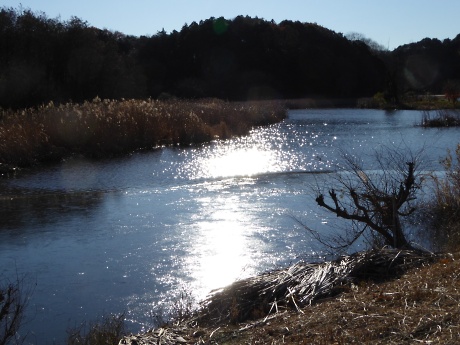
[{"x": 44, "y": 59}]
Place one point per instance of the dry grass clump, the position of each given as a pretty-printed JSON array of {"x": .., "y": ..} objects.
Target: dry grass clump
[
  {"x": 304, "y": 283},
  {"x": 442, "y": 212},
  {"x": 421, "y": 306},
  {"x": 22, "y": 138},
  {"x": 104, "y": 128},
  {"x": 107, "y": 331},
  {"x": 443, "y": 118},
  {"x": 390, "y": 297}
]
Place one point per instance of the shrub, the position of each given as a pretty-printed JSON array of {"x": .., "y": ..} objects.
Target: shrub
[
  {"x": 374, "y": 200},
  {"x": 13, "y": 302},
  {"x": 443, "y": 211},
  {"x": 107, "y": 331},
  {"x": 443, "y": 118}
]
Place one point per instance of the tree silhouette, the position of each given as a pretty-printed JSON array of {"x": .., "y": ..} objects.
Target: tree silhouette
[
  {"x": 377, "y": 201},
  {"x": 43, "y": 59}
]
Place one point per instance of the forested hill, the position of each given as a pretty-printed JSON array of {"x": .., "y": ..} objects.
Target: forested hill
[
  {"x": 427, "y": 66},
  {"x": 43, "y": 59}
]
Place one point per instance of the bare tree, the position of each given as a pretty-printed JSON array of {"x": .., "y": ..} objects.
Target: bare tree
[
  {"x": 13, "y": 301},
  {"x": 375, "y": 200},
  {"x": 373, "y": 45}
]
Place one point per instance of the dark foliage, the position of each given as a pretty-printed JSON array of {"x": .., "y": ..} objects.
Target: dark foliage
[
  {"x": 426, "y": 66},
  {"x": 441, "y": 118},
  {"x": 106, "y": 331},
  {"x": 43, "y": 59}
]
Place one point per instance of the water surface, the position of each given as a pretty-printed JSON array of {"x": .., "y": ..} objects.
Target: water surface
[{"x": 128, "y": 234}]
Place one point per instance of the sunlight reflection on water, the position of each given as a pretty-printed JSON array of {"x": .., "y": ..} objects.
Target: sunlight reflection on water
[
  {"x": 264, "y": 151},
  {"x": 144, "y": 227},
  {"x": 221, "y": 251},
  {"x": 241, "y": 162}
]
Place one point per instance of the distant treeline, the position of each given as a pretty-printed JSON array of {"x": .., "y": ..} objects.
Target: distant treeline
[{"x": 44, "y": 59}]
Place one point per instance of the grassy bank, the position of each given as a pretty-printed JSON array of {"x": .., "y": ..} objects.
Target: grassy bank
[
  {"x": 388, "y": 297},
  {"x": 104, "y": 128},
  {"x": 421, "y": 306}
]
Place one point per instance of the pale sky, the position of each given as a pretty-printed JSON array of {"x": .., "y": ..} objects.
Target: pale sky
[{"x": 391, "y": 23}]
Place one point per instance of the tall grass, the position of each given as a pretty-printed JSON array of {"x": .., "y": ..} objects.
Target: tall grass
[
  {"x": 103, "y": 128},
  {"x": 109, "y": 329},
  {"x": 443, "y": 211},
  {"x": 442, "y": 118},
  {"x": 106, "y": 331}
]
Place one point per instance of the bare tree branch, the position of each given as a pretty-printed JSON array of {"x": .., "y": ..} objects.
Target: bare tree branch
[
  {"x": 13, "y": 301},
  {"x": 378, "y": 200}
]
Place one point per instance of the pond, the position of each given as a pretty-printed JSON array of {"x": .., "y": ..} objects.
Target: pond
[{"x": 131, "y": 234}]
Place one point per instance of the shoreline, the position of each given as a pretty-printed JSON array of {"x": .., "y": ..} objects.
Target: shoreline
[
  {"x": 46, "y": 135},
  {"x": 364, "y": 300},
  {"x": 109, "y": 128}
]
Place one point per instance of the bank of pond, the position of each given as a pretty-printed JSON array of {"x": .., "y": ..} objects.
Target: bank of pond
[{"x": 105, "y": 128}]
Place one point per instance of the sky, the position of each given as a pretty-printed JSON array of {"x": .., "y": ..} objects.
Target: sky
[{"x": 390, "y": 23}]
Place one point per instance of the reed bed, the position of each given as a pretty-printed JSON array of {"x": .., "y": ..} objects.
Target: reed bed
[
  {"x": 303, "y": 284},
  {"x": 442, "y": 118},
  {"x": 280, "y": 306},
  {"x": 440, "y": 215},
  {"x": 421, "y": 307},
  {"x": 105, "y": 128}
]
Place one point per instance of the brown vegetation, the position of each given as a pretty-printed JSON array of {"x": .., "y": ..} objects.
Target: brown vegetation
[
  {"x": 442, "y": 213},
  {"x": 442, "y": 118},
  {"x": 304, "y": 284},
  {"x": 104, "y": 128},
  {"x": 420, "y": 306},
  {"x": 106, "y": 332}
]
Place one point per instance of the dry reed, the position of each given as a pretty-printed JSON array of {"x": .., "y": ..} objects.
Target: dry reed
[
  {"x": 304, "y": 283},
  {"x": 104, "y": 128},
  {"x": 382, "y": 297},
  {"x": 419, "y": 308},
  {"x": 441, "y": 217},
  {"x": 442, "y": 118}
]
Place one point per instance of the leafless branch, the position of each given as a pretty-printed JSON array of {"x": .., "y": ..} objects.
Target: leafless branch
[{"x": 375, "y": 198}]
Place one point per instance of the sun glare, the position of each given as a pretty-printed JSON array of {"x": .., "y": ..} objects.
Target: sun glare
[
  {"x": 240, "y": 162},
  {"x": 223, "y": 250},
  {"x": 223, "y": 254}
]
